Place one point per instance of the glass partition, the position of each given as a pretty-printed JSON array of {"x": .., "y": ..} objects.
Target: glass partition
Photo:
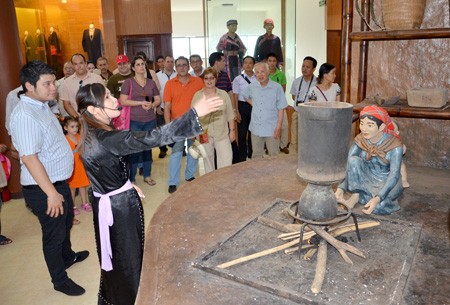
[
  {"x": 52, "y": 31},
  {"x": 31, "y": 31},
  {"x": 290, "y": 47},
  {"x": 250, "y": 15}
]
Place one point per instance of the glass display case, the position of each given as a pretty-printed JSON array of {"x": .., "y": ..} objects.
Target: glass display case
[{"x": 250, "y": 16}]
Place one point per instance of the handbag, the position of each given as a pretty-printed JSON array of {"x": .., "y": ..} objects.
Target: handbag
[
  {"x": 3, "y": 179},
  {"x": 197, "y": 150},
  {"x": 122, "y": 122},
  {"x": 5, "y": 170}
]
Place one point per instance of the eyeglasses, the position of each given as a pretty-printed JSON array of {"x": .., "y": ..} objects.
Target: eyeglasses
[
  {"x": 209, "y": 78},
  {"x": 81, "y": 83},
  {"x": 182, "y": 65}
]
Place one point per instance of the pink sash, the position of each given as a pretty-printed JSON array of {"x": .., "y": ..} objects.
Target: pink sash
[{"x": 106, "y": 220}]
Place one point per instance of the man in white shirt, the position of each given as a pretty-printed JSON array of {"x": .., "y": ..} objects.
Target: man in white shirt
[
  {"x": 74, "y": 82},
  {"x": 46, "y": 164},
  {"x": 166, "y": 74},
  {"x": 13, "y": 98},
  {"x": 68, "y": 71},
  {"x": 243, "y": 109},
  {"x": 197, "y": 65},
  {"x": 299, "y": 91}
]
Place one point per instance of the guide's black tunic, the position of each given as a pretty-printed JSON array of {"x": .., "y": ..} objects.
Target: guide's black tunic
[{"x": 106, "y": 163}]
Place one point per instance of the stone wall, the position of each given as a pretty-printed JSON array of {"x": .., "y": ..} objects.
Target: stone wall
[
  {"x": 396, "y": 66},
  {"x": 427, "y": 141}
]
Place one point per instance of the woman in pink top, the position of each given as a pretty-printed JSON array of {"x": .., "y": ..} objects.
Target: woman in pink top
[{"x": 142, "y": 95}]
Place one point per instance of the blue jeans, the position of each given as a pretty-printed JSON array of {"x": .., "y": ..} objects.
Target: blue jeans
[
  {"x": 175, "y": 163},
  {"x": 144, "y": 157}
]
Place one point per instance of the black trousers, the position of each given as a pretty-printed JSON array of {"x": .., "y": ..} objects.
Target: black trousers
[
  {"x": 244, "y": 139},
  {"x": 55, "y": 230}
]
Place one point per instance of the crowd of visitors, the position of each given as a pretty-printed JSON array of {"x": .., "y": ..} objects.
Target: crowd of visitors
[{"x": 235, "y": 109}]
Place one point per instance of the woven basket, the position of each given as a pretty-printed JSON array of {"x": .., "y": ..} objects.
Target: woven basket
[{"x": 403, "y": 14}]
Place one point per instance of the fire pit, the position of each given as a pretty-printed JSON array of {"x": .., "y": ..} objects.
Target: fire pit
[
  {"x": 324, "y": 138},
  {"x": 254, "y": 257}
]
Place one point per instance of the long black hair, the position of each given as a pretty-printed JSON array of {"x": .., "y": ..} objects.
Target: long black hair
[
  {"x": 324, "y": 69},
  {"x": 90, "y": 95}
]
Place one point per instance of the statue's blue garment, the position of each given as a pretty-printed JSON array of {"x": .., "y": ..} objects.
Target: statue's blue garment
[{"x": 370, "y": 178}]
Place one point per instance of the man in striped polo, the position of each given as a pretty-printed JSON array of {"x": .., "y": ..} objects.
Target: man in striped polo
[{"x": 46, "y": 164}]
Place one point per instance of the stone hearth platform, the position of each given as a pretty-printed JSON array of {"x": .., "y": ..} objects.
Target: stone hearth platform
[
  {"x": 378, "y": 279},
  {"x": 202, "y": 214}
]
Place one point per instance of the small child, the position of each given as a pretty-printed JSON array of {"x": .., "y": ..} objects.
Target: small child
[{"x": 79, "y": 178}]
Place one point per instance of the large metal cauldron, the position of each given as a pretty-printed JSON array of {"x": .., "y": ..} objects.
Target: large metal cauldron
[{"x": 324, "y": 130}]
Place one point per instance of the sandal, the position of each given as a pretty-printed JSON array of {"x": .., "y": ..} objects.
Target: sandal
[
  {"x": 150, "y": 181},
  {"x": 76, "y": 211},
  {"x": 4, "y": 240},
  {"x": 75, "y": 221},
  {"x": 87, "y": 207}
]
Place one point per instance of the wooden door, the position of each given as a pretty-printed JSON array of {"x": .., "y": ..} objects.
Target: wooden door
[
  {"x": 151, "y": 45},
  {"x": 135, "y": 45},
  {"x": 334, "y": 27}
]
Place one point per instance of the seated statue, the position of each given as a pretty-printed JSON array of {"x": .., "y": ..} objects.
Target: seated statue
[{"x": 374, "y": 163}]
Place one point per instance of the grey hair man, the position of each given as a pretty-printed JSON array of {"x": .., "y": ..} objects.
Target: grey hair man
[{"x": 268, "y": 101}]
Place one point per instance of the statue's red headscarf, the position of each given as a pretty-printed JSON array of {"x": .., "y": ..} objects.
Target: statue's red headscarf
[{"x": 382, "y": 115}]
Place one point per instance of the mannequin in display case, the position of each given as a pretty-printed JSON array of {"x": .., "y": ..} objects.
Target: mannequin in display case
[
  {"x": 92, "y": 43},
  {"x": 233, "y": 48},
  {"x": 55, "y": 49},
  {"x": 30, "y": 48},
  {"x": 39, "y": 41},
  {"x": 268, "y": 43}
]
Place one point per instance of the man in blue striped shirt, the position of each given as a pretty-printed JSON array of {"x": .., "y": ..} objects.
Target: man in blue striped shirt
[
  {"x": 268, "y": 101},
  {"x": 46, "y": 164}
]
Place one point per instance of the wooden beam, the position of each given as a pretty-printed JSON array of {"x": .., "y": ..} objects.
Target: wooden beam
[
  {"x": 401, "y": 34},
  {"x": 363, "y": 50},
  {"x": 402, "y": 109},
  {"x": 346, "y": 50}
]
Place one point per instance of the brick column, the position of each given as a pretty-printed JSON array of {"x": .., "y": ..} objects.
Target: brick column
[{"x": 11, "y": 62}]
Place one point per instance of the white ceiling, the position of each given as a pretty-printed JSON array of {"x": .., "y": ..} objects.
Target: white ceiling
[{"x": 242, "y": 5}]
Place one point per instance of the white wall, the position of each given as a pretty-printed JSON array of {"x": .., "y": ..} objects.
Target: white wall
[
  {"x": 311, "y": 36},
  {"x": 188, "y": 23}
]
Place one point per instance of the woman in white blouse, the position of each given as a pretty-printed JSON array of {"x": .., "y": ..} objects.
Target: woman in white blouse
[{"x": 325, "y": 90}]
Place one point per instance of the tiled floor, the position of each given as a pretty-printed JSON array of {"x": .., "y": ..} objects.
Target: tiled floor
[{"x": 24, "y": 278}]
